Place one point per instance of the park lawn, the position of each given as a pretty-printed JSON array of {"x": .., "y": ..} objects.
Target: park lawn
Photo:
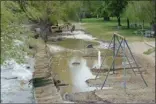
[{"x": 104, "y": 30}]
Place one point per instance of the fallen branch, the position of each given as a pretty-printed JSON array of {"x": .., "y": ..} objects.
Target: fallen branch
[
  {"x": 10, "y": 78},
  {"x": 106, "y": 69}
]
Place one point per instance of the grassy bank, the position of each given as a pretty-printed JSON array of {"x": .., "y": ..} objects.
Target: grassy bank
[{"x": 104, "y": 30}]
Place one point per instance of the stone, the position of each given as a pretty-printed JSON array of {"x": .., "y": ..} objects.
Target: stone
[
  {"x": 59, "y": 39},
  {"x": 90, "y": 46}
]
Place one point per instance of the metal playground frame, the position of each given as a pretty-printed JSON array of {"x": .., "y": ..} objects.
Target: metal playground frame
[{"x": 122, "y": 44}]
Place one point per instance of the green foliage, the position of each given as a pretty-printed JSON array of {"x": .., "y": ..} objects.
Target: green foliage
[
  {"x": 12, "y": 30},
  {"x": 104, "y": 10},
  {"x": 108, "y": 7},
  {"x": 140, "y": 10},
  {"x": 104, "y": 30},
  {"x": 92, "y": 7},
  {"x": 116, "y": 7},
  {"x": 15, "y": 13},
  {"x": 52, "y": 11}
]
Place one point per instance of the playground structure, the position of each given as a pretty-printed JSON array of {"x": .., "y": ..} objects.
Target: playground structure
[
  {"x": 122, "y": 44},
  {"x": 117, "y": 42}
]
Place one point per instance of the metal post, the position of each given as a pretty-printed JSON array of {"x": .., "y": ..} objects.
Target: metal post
[
  {"x": 104, "y": 58},
  {"x": 112, "y": 64},
  {"x": 155, "y": 13},
  {"x": 84, "y": 48},
  {"x": 136, "y": 64},
  {"x": 114, "y": 53},
  {"x": 124, "y": 64},
  {"x": 127, "y": 58}
]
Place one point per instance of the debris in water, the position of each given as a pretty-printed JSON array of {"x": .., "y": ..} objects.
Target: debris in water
[
  {"x": 30, "y": 47},
  {"x": 28, "y": 67},
  {"x": 11, "y": 78},
  {"x": 59, "y": 39},
  {"x": 36, "y": 36},
  {"x": 76, "y": 63},
  {"x": 73, "y": 28},
  {"x": 90, "y": 46},
  {"x": 79, "y": 35}
]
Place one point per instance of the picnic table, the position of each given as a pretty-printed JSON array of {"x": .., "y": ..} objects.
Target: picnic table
[
  {"x": 135, "y": 25},
  {"x": 144, "y": 32}
]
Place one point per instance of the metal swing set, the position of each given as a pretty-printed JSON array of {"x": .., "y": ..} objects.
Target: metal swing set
[{"x": 122, "y": 44}]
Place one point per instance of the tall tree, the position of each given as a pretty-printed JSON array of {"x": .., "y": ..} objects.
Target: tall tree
[
  {"x": 114, "y": 8},
  {"x": 140, "y": 11},
  {"x": 103, "y": 10},
  {"x": 91, "y": 8}
]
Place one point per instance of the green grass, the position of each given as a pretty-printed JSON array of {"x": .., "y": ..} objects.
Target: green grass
[
  {"x": 149, "y": 51},
  {"x": 104, "y": 30}
]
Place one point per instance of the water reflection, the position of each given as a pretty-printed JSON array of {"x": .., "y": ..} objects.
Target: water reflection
[
  {"x": 75, "y": 51},
  {"x": 80, "y": 73},
  {"x": 73, "y": 74}
]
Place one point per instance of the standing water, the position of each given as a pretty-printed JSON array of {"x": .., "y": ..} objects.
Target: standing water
[
  {"x": 80, "y": 73},
  {"x": 73, "y": 74},
  {"x": 76, "y": 74},
  {"x": 15, "y": 87}
]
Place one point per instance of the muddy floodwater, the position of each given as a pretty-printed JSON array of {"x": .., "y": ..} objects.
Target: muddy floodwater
[
  {"x": 73, "y": 69},
  {"x": 72, "y": 61}
]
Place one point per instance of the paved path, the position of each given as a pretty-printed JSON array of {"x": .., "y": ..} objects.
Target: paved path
[
  {"x": 152, "y": 44},
  {"x": 140, "y": 47}
]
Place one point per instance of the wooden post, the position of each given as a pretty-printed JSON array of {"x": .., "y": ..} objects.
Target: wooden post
[{"x": 104, "y": 58}]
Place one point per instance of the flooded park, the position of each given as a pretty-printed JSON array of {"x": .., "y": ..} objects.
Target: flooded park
[{"x": 78, "y": 52}]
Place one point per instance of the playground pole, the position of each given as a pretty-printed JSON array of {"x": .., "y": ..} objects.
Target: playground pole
[
  {"x": 104, "y": 58},
  {"x": 124, "y": 65},
  {"x": 136, "y": 64},
  {"x": 127, "y": 58},
  {"x": 112, "y": 64},
  {"x": 114, "y": 53}
]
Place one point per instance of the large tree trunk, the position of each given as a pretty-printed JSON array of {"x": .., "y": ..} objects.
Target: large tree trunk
[
  {"x": 106, "y": 18},
  {"x": 154, "y": 28},
  {"x": 119, "y": 22},
  {"x": 97, "y": 16},
  {"x": 128, "y": 23}
]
